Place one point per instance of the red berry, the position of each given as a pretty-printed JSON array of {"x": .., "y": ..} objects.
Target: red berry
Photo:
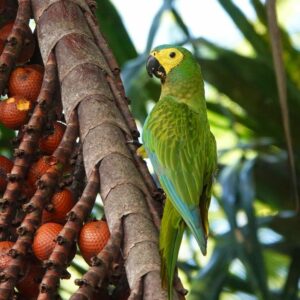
[
  {"x": 44, "y": 240},
  {"x": 49, "y": 143},
  {"x": 92, "y": 239},
  {"x": 26, "y": 82},
  {"x": 28, "y": 286},
  {"x": 39, "y": 168},
  {"x": 62, "y": 203},
  {"x": 14, "y": 112}
]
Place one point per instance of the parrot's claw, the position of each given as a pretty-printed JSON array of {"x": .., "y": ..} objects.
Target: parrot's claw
[
  {"x": 159, "y": 195},
  {"x": 141, "y": 152},
  {"x": 134, "y": 142}
]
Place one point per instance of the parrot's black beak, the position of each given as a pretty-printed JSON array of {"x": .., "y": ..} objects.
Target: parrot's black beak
[{"x": 155, "y": 68}]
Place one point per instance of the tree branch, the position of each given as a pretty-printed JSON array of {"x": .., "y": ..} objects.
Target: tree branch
[
  {"x": 46, "y": 186},
  {"x": 27, "y": 149},
  {"x": 14, "y": 43},
  {"x": 59, "y": 260}
]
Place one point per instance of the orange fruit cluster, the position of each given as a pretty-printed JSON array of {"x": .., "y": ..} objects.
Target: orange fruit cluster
[
  {"x": 23, "y": 89},
  {"x": 24, "y": 83},
  {"x": 93, "y": 237},
  {"x": 28, "y": 285},
  {"x": 45, "y": 240}
]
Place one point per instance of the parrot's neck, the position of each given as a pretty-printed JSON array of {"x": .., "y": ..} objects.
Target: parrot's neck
[{"x": 186, "y": 86}]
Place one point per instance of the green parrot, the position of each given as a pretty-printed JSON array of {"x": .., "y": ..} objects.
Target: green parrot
[{"x": 182, "y": 150}]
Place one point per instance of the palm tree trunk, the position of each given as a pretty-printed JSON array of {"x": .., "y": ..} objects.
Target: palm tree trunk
[{"x": 86, "y": 81}]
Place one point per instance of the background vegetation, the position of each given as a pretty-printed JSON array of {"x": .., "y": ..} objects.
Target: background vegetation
[
  {"x": 254, "y": 245},
  {"x": 254, "y": 242}
]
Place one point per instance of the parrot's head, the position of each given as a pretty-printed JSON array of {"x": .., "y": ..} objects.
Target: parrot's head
[
  {"x": 163, "y": 59},
  {"x": 180, "y": 74}
]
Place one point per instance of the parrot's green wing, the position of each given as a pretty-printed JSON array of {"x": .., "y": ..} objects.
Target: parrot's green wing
[
  {"x": 176, "y": 138},
  {"x": 211, "y": 167}
]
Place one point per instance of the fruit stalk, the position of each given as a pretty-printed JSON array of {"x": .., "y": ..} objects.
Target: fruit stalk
[
  {"x": 102, "y": 264},
  {"x": 78, "y": 176},
  {"x": 58, "y": 262},
  {"x": 27, "y": 148},
  {"x": 34, "y": 208},
  {"x": 15, "y": 42},
  {"x": 118, "y": 91}
]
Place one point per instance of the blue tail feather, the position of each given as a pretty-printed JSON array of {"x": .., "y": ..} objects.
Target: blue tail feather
[{"x": 190, "y": 216}]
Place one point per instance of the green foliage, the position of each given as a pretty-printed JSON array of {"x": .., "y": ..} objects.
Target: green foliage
[
  {"x": 6, "y": 136},
  {"x": 254, "y": 253},
  {"x": 114, "y": 31}
]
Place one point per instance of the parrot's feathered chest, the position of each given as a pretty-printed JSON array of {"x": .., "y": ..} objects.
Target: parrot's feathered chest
[
  {"x": 171, "y": 128},
  {"x": 175, "y": 138}
]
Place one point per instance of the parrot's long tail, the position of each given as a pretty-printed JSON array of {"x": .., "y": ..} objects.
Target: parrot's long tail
[{"x": 172, "y": 228}]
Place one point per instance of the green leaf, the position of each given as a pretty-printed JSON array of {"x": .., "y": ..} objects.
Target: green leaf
[
  {"x": 260, "y": 11},
  {"x": 247, "y": 29},
  {"x": 250, "y": 82},
  {"x": 167, "y": 5},
  {"x": 208, "y": 284},
  {"x": 253, "y": 258},
  {"x": 286, "y": 224},
  {"x": 291, "y": 289},
  {"x": 235, "y": 283},
  {"x": 273, "y": 183},
  {"x": 228, "y": 179},
  {"x": 113, "y": 29},
  {"x": 6, "y": 136},
  {"x": 180, "y": 22}
]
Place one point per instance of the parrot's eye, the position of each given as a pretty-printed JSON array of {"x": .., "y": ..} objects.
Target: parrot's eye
[{"x": 172, "y": 54}]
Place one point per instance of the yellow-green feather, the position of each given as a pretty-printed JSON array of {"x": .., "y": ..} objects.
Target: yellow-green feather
[
  {"x": 174, "y": 133},
  {"x": 172, "y": 228}
]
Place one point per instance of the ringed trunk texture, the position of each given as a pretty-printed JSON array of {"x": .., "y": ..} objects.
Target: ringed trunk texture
[{"x": 84, "y": 76}]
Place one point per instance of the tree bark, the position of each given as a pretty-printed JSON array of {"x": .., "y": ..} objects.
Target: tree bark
[{"x": 84, "y": 75}]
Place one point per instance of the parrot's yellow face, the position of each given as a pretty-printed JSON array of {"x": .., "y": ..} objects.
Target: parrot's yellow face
[
  {"x": 168, "y": 58},
  {"x": 162, "y": 61}
]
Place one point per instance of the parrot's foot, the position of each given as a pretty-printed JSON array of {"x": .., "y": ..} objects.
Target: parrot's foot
[
  {"x": 141, "y": 152},
  {"x": 134, "y": 142},
  {"x": 159, "y": 195}
]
